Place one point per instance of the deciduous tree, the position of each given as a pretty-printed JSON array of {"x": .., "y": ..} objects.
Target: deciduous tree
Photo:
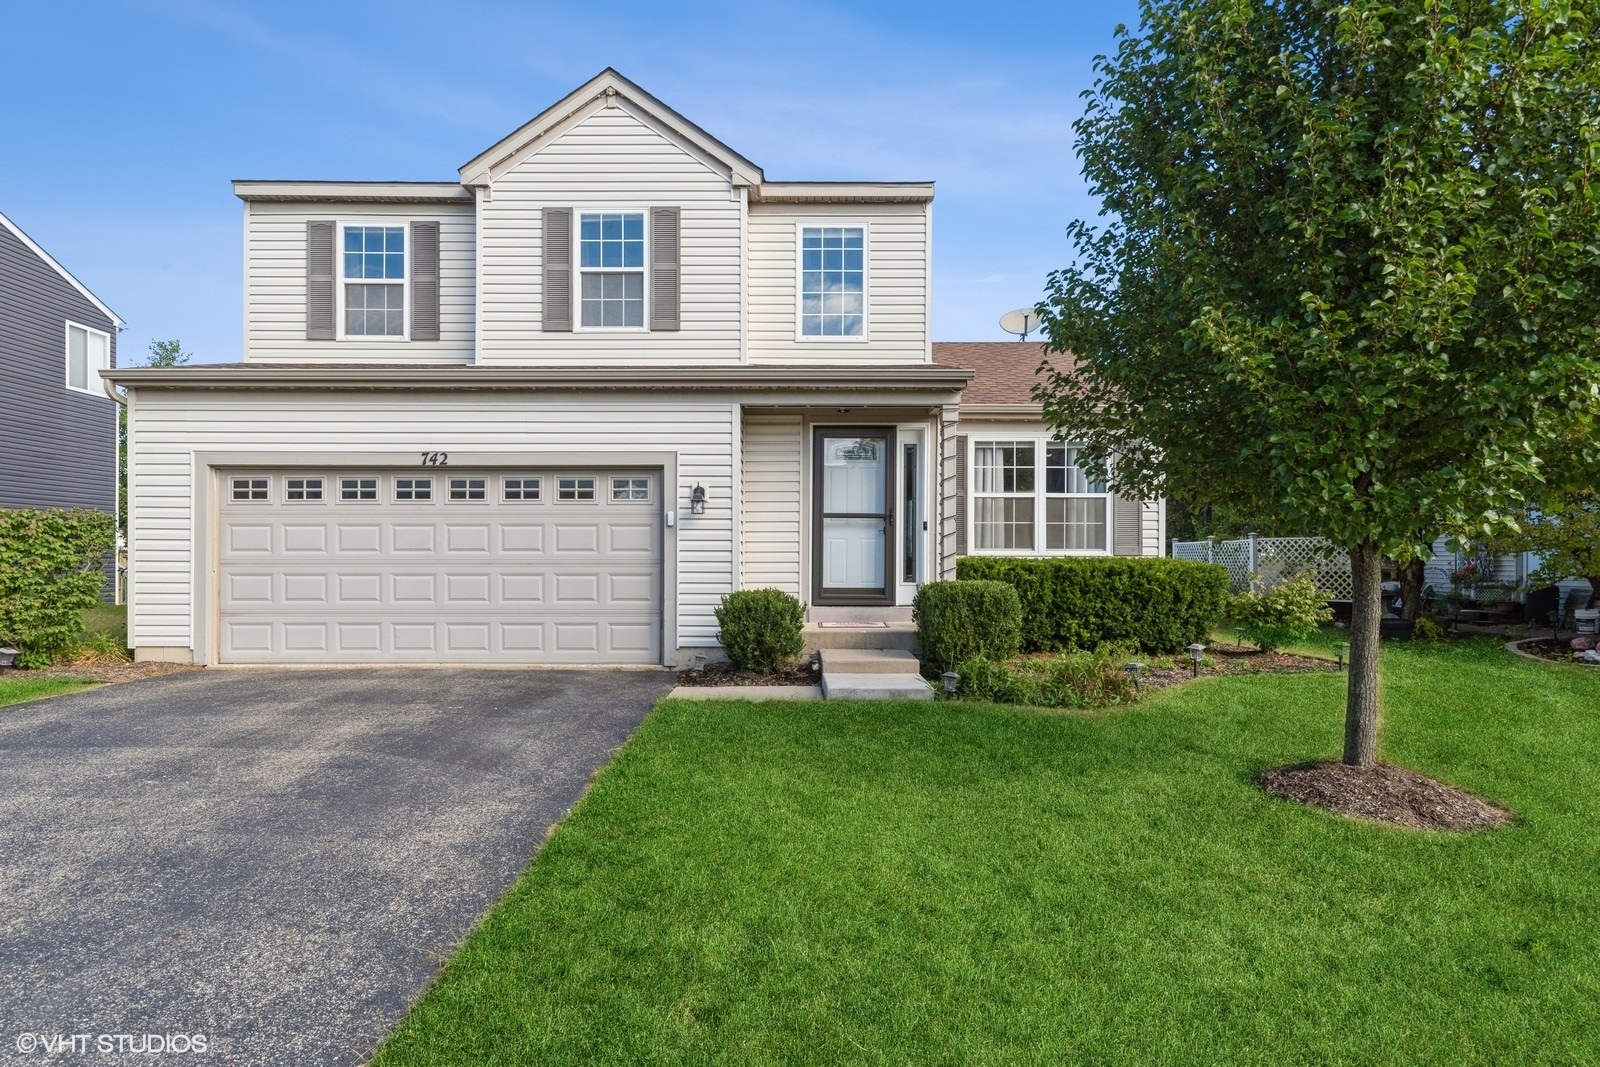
[{"x": 1348, "y": 272}]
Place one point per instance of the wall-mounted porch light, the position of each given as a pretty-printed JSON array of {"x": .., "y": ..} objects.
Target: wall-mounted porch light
[{"x": 697, "y": 500}]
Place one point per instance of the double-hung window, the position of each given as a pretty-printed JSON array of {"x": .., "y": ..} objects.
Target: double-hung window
[
  {"x": 1030, "y": 497},
  {"x": 373, "y": 285},
  {"x": 611, "y": 262},
  {"x": 833, "y": 282},
  {"x": 88, "y": 353}
]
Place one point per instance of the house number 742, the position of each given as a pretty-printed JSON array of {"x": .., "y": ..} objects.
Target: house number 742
[{"x": 436, "y": 459}]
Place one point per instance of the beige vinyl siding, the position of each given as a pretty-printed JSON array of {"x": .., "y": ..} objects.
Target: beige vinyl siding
[
  {"x": 770, "y": 501},
  {"x": 275, "y": 284},
  {"x": 610, "y": 160},
  {"x": 897, "y": 283},
  {"x": 170, "y": 427}
]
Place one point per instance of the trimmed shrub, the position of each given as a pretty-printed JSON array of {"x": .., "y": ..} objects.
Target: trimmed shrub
[
  {"x": 1067, "y": 680},
  {"x": 51, "y": 569},
  {"x": 958, "y": 621},
  {"x": 1078, "y": 602},
  {"x": 1286, "y": 613},
  {"x": 760, "y": 628}
]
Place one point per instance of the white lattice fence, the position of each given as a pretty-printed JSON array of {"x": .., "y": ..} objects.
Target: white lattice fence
[{"x": 1270, "y": 560}]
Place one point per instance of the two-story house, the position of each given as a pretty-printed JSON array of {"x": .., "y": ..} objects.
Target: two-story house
[
  {"x": 554, "y": 410},
  {"x": 58, "y": 428}
]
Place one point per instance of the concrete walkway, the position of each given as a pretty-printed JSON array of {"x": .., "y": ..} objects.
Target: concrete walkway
[{"x": 277, "y": 860}]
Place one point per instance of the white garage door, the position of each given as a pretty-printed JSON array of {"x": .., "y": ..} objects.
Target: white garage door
[{"x": 524, "y": 566}]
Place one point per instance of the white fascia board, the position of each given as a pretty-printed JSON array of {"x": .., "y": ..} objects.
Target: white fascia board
[
  {"x": 843, "y": 193},
  {"x": 83, "y": 290},
  {"x": 347, "y": 192}
]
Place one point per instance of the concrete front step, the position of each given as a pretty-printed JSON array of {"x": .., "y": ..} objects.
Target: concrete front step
[
  {"x": 869, "y": 661},
  {"x": 896, "y": 635},
  {"x": 838, "y": 686},
  {"x": 899, "y": 613}
]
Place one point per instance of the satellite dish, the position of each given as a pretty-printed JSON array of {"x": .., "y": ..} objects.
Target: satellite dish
[{"x": 1021, "y": 322}]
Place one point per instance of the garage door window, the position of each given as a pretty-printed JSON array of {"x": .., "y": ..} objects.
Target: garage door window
[
  {"x": 413, "y": 488},
  {"x": 468, "y": 489},
  {"x": 521, "y": 488},
  {"x": 574, "y": 488},
  {"x": 250, "y": 489},
  {"x": 630, "y": 489},
  {"x": 358, "y": 489},
  {"x": 302, "y": 490}
]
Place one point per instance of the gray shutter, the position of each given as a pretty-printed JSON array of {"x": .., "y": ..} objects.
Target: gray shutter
[
  {"x": 665, "y": 271},
  {"x": 557, "y": 270},
  {"x": 1125, "y": 523},
  {"x": 961, "y": 494},
  {"x": 319, "y": 281},
  {"x": 424, "y": 281}
]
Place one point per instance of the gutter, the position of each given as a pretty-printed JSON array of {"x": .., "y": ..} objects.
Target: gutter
[
  {"x": 111, "y": 388},
  {"x": 919, "y": 377}
]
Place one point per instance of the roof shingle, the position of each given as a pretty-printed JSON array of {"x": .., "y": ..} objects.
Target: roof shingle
[{"x": 1005, "y": 371}]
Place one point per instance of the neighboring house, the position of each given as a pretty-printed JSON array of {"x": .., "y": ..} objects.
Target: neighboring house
[
  {"x": 555, "y": 410},
  {"x": 58, "y": 428}
]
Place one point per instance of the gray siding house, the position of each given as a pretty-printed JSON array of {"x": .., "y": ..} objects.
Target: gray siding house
[{"x": 58, "y": 428}]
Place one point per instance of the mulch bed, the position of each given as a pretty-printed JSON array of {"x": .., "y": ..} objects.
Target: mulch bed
[
  {"x": 1231, "y": 660},
  {"x": 1383, "y": 794},
  {"x": 106, "y": 672},
  {"x": 1554, "y": 651},
  {"x": 727, "y": 674}
]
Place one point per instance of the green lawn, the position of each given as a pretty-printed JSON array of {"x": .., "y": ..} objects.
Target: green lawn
[
  {"x": 911, "y": 883},
  {"x": 17, "y": 687}
]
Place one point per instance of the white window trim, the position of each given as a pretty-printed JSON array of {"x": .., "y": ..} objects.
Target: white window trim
[
  {"x": 338, "y": 490},
  {"x": 467, "y": 501},
  {"x": 579, "y": 270},
  {"x": 339, "y": 281},
  {"x": 1040, "y": 536},
  {"x": 555, "y": 496},
  {"x": 816, "y": 222},
  {"x": 92, "y": 383},
  {"x": 329, "y": 489}
]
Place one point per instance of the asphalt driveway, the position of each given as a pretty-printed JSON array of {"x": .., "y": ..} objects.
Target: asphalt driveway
[{"x": 279, "y": 861}]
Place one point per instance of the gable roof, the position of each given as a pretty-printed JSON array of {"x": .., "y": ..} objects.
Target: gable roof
[
  {"x": 33, "y": 247},
  {"x": 606, "y": 87},
  {"x": 1004, "y": 372}
]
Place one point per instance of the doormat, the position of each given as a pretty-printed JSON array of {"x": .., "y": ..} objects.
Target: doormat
[{"x": 831, "y": 625}]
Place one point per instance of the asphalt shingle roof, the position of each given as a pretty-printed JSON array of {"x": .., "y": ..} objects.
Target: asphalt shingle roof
[{"x": 1005, "y": 370}]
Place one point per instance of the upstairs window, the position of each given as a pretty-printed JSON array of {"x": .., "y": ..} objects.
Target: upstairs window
[
  {"x": 611, "y": 262},
  {"x": 88, "y": 353},
  {"x": 833, "y": 281},
  {"x": 374, "y": 281}
]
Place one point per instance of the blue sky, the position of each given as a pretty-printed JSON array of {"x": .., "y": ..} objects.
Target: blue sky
[{"x": 125, "y": 122}]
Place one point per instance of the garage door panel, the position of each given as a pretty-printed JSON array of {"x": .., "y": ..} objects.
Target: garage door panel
[
  {"x": 386, "y": 580},
  {"x": 413, "y": 538},
  {"x": 252, "y": 539},
  {"x": 309, "y": 539},
  {"x": 362, "y": 539}
]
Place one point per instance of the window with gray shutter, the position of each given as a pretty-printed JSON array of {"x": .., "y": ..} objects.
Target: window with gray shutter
[
  {"x": 557, "y": 270},
  {"x": 424, "y": 281},
  {"x": 319, "y": 281},
  {"x": 665, "y": 270},
  {"x": 1125, "y": 516}
]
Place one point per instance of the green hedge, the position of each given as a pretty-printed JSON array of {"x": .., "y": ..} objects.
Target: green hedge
[
  {"x": 760, "y": 628},
  {"x": 1079, "y": 602},
  {"x": 957, "y": 621},
  {"x": 51, "y": 569}
]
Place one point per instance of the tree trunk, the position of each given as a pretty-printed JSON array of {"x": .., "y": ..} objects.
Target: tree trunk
[
  {"x": 1361, "y": 701},
  {"x": 1411, "y": 576}
]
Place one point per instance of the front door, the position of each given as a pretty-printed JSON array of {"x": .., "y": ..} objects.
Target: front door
[{"x": 853, "y": 515}]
